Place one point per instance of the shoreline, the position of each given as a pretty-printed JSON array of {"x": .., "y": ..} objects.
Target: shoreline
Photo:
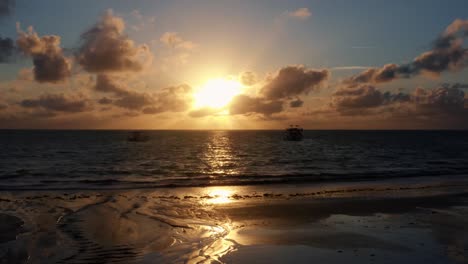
[
  {"x": 345, "y": 222},
  {"x": 421, "y": 181}
]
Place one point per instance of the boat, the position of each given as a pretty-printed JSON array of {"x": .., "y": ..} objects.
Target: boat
[
  {"x": 293, "y": 133},
  {"x": 137, "y": 136}
]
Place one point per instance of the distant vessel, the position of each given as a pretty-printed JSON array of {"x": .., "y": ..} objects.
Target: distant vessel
[
  {"x": 293, "y": 133},
  {"x": 137, "y": 136}
]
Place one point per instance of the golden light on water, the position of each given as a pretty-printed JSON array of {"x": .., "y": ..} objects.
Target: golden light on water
[
  {"x": 219, "y": 159},
  {"x": 216, "y": 93},
  {"x": 220, "y": 196}
]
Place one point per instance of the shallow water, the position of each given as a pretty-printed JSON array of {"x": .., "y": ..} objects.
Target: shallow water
[
  {"x": 199, "y": 225},
  {"x": 105, "y": 159}
]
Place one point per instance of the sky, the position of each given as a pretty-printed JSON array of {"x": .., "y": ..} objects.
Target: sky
[{"x": 200, "y": 64}]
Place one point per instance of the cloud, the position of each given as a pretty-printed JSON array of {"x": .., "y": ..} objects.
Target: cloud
[
  {"x": 25, "y": 74},
  {"x": 173, "y": 40},
  {"x": 141, "y": 22},
  {"x": 433, "y": 105},
  {"x": 387, "y": 73},
  {"x": 437, "y": 61},
  {"x": 455, "y": 85},
  {"x": 447, "y": 54},
  {"x": 6, "y": 7},
  {"x": 248, "y": 78},
  {"x": 292, "y": 81},
  {"x": 171, "y": 99},
  {"x": 442, "y": 99},
  {"x": 105, "y": 101},
  {"x": 106, "y": 84},
  {"x": 279, "y": 88},
  {"x": 300, "y": 13},
  {"x": 244, "y": 105},
  {"x": 105, "y": 48},
  {"x": 126, "y": 98},
  {"x": 346, "y": 100},
  {"x": 50, "y": 64},
  {"x": 452, "y": 33},
  {"x": 7, "y": 49},
  {"x": 59, "y": 103},
  {"x": 205, "y": 111},
  {"x": 296, "y": 103},
  {"x": 134, "y": 100},
  {"x": 349, "y": 68},
  {"x": 168, "y": 99}
]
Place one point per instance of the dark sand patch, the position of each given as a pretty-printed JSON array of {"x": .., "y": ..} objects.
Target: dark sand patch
[{"x": 10, "y": 227}]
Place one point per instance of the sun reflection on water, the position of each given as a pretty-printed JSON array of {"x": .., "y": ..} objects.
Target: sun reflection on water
[
  {"x": 220, "y": 196},
  {"x": 219, "y": 157}
]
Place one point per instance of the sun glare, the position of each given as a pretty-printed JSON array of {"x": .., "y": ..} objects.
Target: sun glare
[
  {"x": 216, "y": 93},
  {"x": 220, "y": 196}
]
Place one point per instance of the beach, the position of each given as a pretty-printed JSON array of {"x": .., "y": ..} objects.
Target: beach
[
  {"x": 362, "y": 222},
  {"x": 233, "y": 132}
]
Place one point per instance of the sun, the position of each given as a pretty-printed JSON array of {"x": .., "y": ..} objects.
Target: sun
[{"x": 216, "y": 93}]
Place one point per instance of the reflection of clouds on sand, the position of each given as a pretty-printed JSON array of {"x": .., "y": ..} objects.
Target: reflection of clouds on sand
[
  {"x": 126, "y": 228},
  {"x": 228, "y": 225},
  {"x": 198, "y": 231},
  {"x": 413, "y": 231},
  {"x": 337, "y": 239}
]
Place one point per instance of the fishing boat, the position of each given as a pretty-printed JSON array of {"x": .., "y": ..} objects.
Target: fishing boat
[
  {"x": 293, "y": 133},
  {"x": 137, "y": 136}
]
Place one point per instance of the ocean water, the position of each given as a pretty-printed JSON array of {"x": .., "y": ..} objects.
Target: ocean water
[{"x": 38, "y": 159}]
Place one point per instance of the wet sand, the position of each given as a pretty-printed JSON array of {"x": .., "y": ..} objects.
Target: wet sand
[{"x": 334, "y": 223}]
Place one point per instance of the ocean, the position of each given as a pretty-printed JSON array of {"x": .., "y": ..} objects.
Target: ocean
[{"x": 56, "y": 159}]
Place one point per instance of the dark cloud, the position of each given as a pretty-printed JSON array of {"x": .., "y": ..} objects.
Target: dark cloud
[
  {"x": 292, "y": 81},
  {"x": 364, "y": 96},
  {"x": 172, "y": 99},
  {"x": 105, "y": 48},
  {"x": 447, "y": 54},
  {"x": 440, "y": 60},
  {"x": 134, "y": 100},
  {"x": 244, "y": 105},
  {"x": 6, "y": 7},
  {"x": 248, "y": 78},
  {"x": 50, "y": 65},
  {"x": 387, "y": 73},
  {"x": 455, "y": 85},
  {"x": 366, "y": 100},
  {"x": 296, "y": 103},
  {"x": 59, "y": 103},
  {"x": 169, "y": 99},
  {"x": 105, "y": 101},
  {"x": 106, "y": 84},
  {"x": 452, "y": 32},
  {"x": 126, "y": 98},
  {"x": 7, "y": 49},
  {"x": 441, "y": 99},
  {"x": 152, "y": 110}
]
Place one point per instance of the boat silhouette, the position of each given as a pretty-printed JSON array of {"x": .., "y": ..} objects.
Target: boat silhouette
[
  {"x": 293, "y": 133},
  {"x": 137, "y": 136}
]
